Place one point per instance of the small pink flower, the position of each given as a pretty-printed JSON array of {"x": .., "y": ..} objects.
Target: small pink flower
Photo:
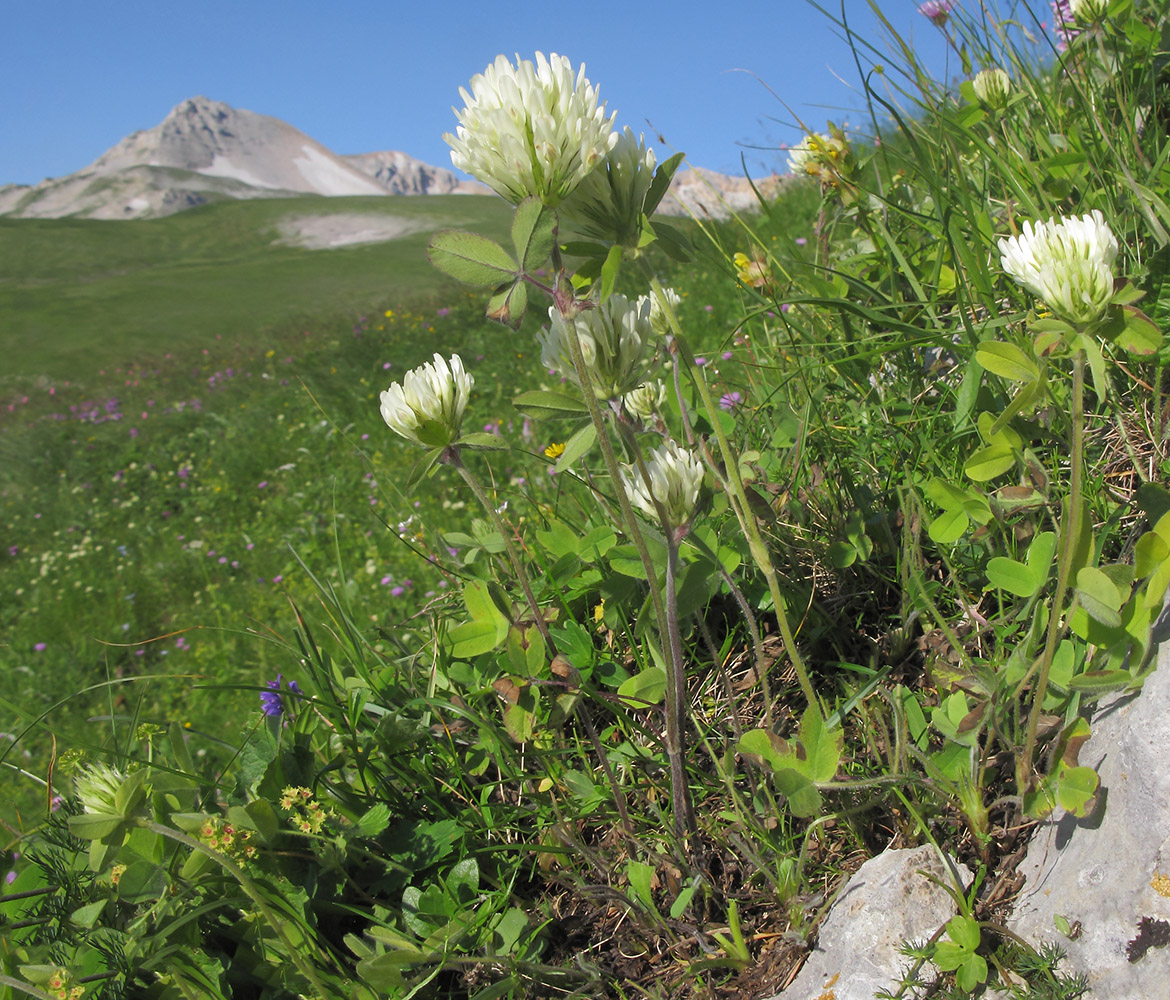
[{"x": 937, "y": 10}]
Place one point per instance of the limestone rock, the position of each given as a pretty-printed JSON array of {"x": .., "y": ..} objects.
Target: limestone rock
[
  {"x": 1110, "y": 872},
  {"x": 886, "y": 903}
]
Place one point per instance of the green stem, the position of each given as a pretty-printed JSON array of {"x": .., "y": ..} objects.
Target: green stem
[
  {"x": 250, "y": 889},
  {"x": 455, "y": 458},
  {"x": 684, "y": 812},
  {"x": 1069, "y": 535},
  {"x": 759, "y": 549}
]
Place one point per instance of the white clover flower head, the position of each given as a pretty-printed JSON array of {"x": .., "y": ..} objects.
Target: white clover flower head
[
  {"x": 1088, "y": 11},
  {"x": 427, "y": 406},
  {"x": 675, "y": 477},
  {"x": 646, "y": 400},
  {"x": 1067, "y": 263},
  {"x": 97, "y": 787},
  {"x": 614, "y": 338},
  {"x": 658, "y": 321},
  {"x": 609, "y": 202},
  {"x": 992, "y": 86},
  {"x": 531, "y": 129}
]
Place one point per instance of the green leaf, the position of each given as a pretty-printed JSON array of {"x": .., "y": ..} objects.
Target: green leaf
[
  {"x": 661, "y": 183},
  {"x": 1007, "y": 361},
  {"x": 948, "y": 527},
  {"x": 423, "y": 467},
  {"x": 482, "y": 441},
  {"x": 1012, "y": 576},
  {"x": 822, "y": 746},
  {"x": 645, "y": 688},
  {"x": 1076, "y": 790},
  {"x": 544, "y": 403},
  {"x": 533, "y": 229},
  {"x": 87, "y": 916},
  {"x": 463, "y": 879},
  {"x": 508, "y": 303},
  {"x": 990, "y": 461},
  {"x": 577, "y": 447},
  {"x": 640, "y": 876},
  {"x": 1149, "y": 553},
  {"x": 964, "y": 931},
  {"x": 971, "y": 973},
  {"x": 374, "y": 820},
  {"x": 470, "y": 258},
  {"x": 90, "y": 826},
  {"x": 1041, "y": 551},
  {"x": 609, "y": 271},
  {"x": 1140, "y": 335},
  {"x": 1099, "y": 596},
  {"x": 803, "y": 798},
  {"x": 1101, "y": 681}
]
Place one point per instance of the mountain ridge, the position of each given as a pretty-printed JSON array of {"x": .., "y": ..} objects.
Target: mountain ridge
[{"x": 206, "y": 150}]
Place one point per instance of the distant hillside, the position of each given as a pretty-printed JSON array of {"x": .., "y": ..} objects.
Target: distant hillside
[{"x": 206, "y": 151}]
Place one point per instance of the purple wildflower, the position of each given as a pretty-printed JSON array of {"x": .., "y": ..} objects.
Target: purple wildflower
[
  {"x": 1065, "y": 22},
  {"x": 937, "y": 10},
  {"x": 271, "y": 701},
  {"x": 730, "y": 400}
]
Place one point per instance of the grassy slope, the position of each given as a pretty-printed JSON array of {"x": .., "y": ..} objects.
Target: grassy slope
[{"x": 66, "y": 285}]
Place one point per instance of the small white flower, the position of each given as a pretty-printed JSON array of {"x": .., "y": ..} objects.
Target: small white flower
[
  {"x": 614, "y": 338},
  {"x": 609, "y": 202},
  {"x": 644, "y": 401},
  {"x": 531, "y": 129},
  {"x": 427, "y": 406},
  {"x": 992, "y": 86},
  {"x": 675, "y": 477},
  {"x": 1067, "y": 263}
]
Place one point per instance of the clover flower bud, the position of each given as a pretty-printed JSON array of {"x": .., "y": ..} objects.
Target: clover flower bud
[
  {"x": 531, "y": 129},
  {"x": 1067, "y": 263},
  {"x": 608, "y": 203},
  {"x": 646, "y": 400},
  {"x": 427, "y": 406}
]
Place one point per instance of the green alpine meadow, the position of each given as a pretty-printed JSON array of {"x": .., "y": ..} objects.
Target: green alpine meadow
[{"x": 560, "y": 598}]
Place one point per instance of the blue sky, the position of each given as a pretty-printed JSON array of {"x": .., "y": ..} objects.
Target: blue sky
[{"x": 361, "y": 76}]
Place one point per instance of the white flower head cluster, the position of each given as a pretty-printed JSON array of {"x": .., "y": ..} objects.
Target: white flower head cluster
[
  {"x": 658, "y": 321},
  {"x": 609, "y": 202},
  {"x": 1088, "y": 11},
  {"x": 646, "y": 400},
  {"x": 675, "y": 477},
  {"x": 427, "y": 406},
  {"x": 531, "y": 129},
  {"x": 992, "y": 86},
  {"x": 615, "y": 337},
  {"x": 1067, "y": 263}
]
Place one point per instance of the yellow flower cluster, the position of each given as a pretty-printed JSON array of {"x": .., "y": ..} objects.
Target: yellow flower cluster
[
  {"x": 305, "y": 812},
  {"x": 58, "y": 986},
  {"x": 227, "y": 838}
]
